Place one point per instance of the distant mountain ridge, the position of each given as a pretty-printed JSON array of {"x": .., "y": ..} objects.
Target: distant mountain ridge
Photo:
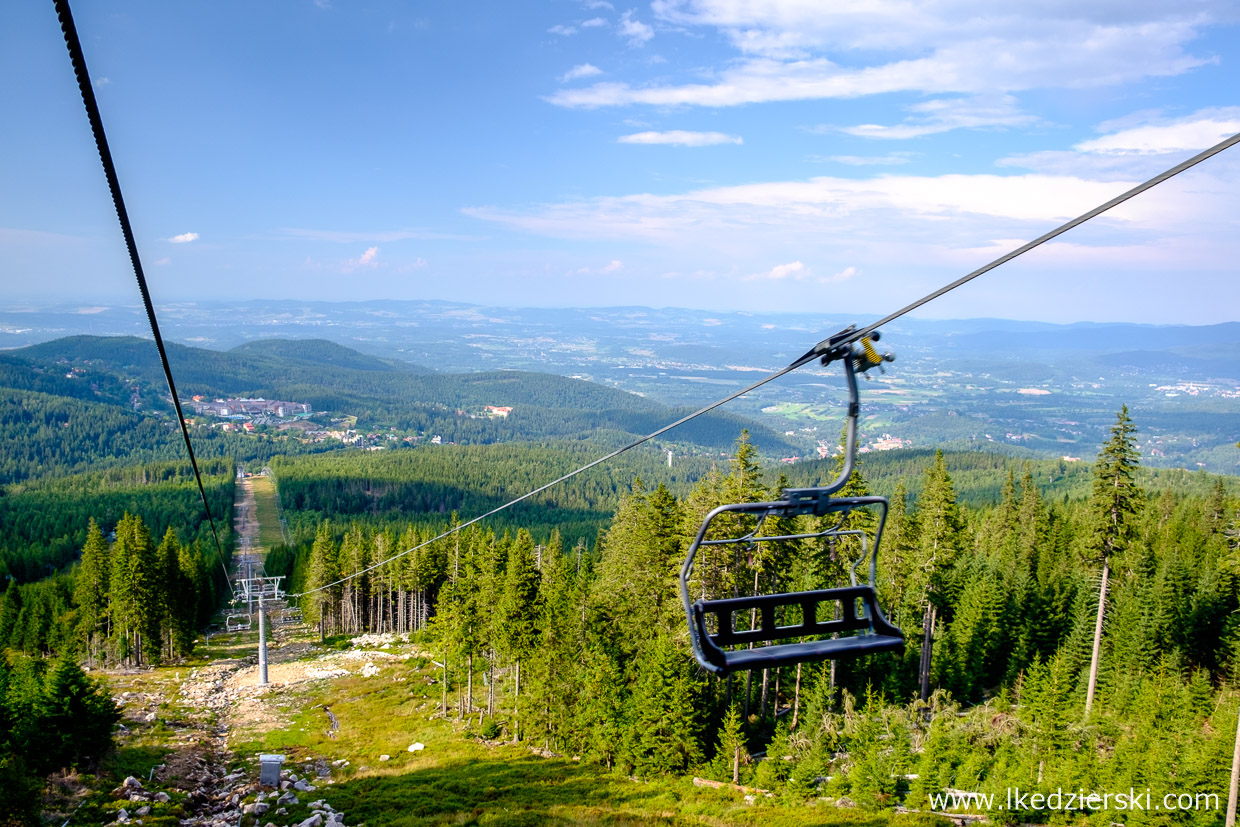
[{"x": 380, "y": 392}]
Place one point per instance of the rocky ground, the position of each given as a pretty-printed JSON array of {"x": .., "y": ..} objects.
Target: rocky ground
[{"x": 202, "y": 706}]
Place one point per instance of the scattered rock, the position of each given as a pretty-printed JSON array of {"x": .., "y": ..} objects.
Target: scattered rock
[
  {"x": 315, "y": 820},
  {"x": 369, "y": 670},
  {"x": 162, "y": 797},
  {"x": 123, "y": 816},
  {"x": 287, "y": 798},
  {"x": 385, "y": 757},
  {"x": 418, "y": 747},
  {"x": 302, "y": 786},
  {"x": 132, "y": 783}
]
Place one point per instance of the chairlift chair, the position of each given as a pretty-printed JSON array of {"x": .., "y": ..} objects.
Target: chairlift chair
[
  {"x": 838, "y": 622},
  {"x": 237, "y": 623},
  {"x": 290, "y": 616}
]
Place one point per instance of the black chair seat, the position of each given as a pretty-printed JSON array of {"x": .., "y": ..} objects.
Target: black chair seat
[
  {"x": 787, "y": 654},
  {"x": 855, "y": 621}
]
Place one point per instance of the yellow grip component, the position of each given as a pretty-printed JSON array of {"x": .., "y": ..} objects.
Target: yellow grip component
[{"x": 871, "y": 355}]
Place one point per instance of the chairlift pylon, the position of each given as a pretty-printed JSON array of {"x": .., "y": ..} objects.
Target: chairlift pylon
[{"x": 838, "y": 622}]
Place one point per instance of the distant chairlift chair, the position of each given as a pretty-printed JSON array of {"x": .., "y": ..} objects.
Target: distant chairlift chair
[
  {"x": 289, "y": 617},
  {"x": 237, "y": 623},
  {"x": 839, "y": 622}
]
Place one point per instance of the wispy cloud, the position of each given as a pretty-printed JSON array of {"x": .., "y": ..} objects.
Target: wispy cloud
[
  {"x": 929, "y": 49},
  {"x": 593, "y": 22},
  {"x": 563, "y": 31},
  {"x": 678, "y": 137},
  {"x": 633, "y": 30},
  {"x": 610, "y": 267},
  {"x": 99, "y": 82},
  {"x": 163, "y": 262},
  {"x": 794, "y": 270},
  {"x": 365, "y": 236},
  {"x": 842, "y": 275},
  {"x": 945, "y": 114},
  {"x": 1194, "y": 132},
  {"x": 585, "y": 70},
  {"x": 892, "y": 159},
  {"x": 184, "y": 238}
]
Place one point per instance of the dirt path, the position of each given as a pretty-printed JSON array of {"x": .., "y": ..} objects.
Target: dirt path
[{"x": 245, "y": 521}]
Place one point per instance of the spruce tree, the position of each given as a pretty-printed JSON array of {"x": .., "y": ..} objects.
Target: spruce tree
[
  {"x": 518, "y": 613},
  {"x": 76, "y": 716},
  {"x": 1113, "y": 507},
  {"x": 323, "y": 571},
  {"x": 938, "y": 545},
  {"x": 91, "y": 591}
]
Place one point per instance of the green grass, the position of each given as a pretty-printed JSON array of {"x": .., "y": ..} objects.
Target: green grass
[
  {"x": 461, "y": 781},
  {"x": 265, "y": 512}
]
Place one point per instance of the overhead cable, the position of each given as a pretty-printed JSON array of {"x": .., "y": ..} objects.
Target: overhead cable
[
  {"x": 109, "y": 170},
  {"x": 839, "y": 340}
]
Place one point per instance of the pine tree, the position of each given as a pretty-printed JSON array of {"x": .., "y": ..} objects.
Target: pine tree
[
  {"x": 323, "y": 571},
  {"x": 600, "y": 706},
  {"x": 938, "y": 545},
  {"x": 518, "y": 613},
  {"x": 1114, "y": 505},
  {"x": 663, "y": 730},
  {"x": 91, "y": 591},
  {"x": 731, "y": 745},
  {"x": 76, "y": 716}
]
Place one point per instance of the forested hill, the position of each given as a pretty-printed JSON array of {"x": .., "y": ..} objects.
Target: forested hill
[{"x": 381, "y": 393}]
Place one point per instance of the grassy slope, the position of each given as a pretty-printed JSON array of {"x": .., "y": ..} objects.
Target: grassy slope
[
  {"x": 459, "y": 780},
  {"x": 266, "y": 513}
]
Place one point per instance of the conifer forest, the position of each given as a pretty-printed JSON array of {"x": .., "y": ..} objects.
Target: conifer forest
[{"x": 1068, "y": 627}]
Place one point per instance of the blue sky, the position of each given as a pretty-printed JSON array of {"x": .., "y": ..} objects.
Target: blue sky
[{"x": 723, "y": 154}]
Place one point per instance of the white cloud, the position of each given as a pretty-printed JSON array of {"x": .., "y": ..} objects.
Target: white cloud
[
  {"x": 585, "y": 70},
  {"x": 806, "y": 49},
  {"x": 381, "y": 236},
  {"x": 892, "y": 159},
  {"x": 1195, "y": 132},
  {"x": 593, "y": 22},
  {"x": 678, "y": 137},
  {"x": 367, "y": 260},
  {"x": 610, "y": 267},
  {"x": 163, "y": 261},
  {"x": 794, "y": 270},
  {"x": 945, "y": 114},
  {"x": 184, "y": 238},
  {"x": 633, "y": 30},
  {"x": 842, "y": 275},
  {"x": 102, "y": 81},
  {"x": 598, "y": 4},
  {"x": 563, "y": 31}
]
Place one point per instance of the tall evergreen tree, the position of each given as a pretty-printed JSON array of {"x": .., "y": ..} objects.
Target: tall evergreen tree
[
  {"x": 323, "y": 597},
  {"x": 938, "y": 545},
  {"x": 518, "y": 613},
  {"x": 1116, "y": 499},
  {"x": 91, "y": 591}
]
